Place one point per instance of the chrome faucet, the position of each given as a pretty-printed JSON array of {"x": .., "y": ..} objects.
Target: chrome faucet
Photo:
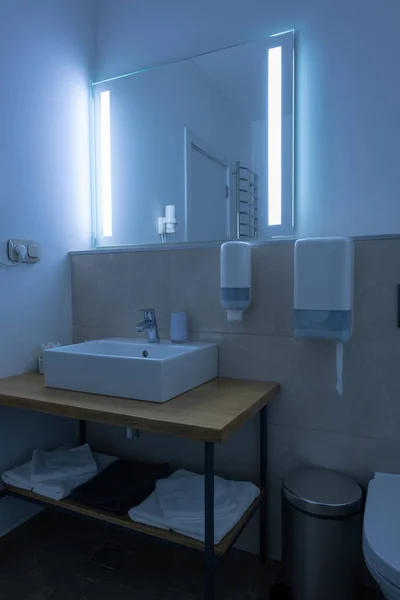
[{"x": 149, "y": 324}]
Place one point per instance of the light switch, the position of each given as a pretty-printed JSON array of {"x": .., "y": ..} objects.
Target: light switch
[{"x": 34, "y": 251}]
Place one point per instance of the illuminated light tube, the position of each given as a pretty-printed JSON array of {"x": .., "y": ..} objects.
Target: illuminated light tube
[
  {"x": 105, "y": 142},
  {"x": 275, "y": 136}
]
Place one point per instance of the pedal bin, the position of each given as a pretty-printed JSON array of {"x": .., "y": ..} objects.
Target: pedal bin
[{"x": 322, "y": 528}]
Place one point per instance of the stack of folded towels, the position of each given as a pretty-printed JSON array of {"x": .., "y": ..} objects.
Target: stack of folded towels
[
  {"x": 56, "y": 474},
  {"x": 178, "y": 504},
  {"x": 159, "y": 499}
]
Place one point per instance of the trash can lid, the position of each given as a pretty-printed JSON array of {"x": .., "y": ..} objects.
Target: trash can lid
[{"x": 322, "y": 492}]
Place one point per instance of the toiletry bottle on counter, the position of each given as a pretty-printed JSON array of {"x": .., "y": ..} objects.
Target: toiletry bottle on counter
[{"x": 179, "y": 327}]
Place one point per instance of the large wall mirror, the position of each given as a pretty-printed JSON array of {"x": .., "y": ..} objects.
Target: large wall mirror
[{"x": 196, "y": 151}]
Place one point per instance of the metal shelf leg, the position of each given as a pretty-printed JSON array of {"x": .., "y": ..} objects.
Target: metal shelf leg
[
  {"x": 263, "y": 484},
  {"x": 209, "y": 588},
  {"x": 82, "y": 433}
]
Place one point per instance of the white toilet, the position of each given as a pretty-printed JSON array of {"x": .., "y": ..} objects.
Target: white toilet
[{"x": 381, "y": 534}]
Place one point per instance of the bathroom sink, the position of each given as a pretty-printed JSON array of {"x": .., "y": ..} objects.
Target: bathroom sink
[{"x": 130, "y": 368}]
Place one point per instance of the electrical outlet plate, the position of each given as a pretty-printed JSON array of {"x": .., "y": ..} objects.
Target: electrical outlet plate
[{"x": 33, "y": 251}]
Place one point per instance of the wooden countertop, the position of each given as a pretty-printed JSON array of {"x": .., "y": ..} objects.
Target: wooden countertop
[{"x": 209, "y": 413}]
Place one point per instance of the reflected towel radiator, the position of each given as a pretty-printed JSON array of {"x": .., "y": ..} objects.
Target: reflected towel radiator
[{"x": 247, "y": 189}]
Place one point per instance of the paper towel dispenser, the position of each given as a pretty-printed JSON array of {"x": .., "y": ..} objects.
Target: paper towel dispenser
[{"x": 324, "y": 288}]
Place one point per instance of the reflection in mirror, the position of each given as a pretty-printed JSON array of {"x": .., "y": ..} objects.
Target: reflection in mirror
[{"x": 196, "y": 151}]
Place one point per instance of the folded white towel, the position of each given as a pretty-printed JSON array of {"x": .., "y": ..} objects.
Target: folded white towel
[
  {"x": 241, "y": 493},
  {"x": 56, "y": 490},
  {"x": 182, "y": 497},
  {"x": 61, "y": 464},
  {"x": 149, "y": 513},
  {"x": 244, "y": 493},
  {"x": 19, "y": 477}
]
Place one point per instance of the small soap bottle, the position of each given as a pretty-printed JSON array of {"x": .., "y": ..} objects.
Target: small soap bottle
[{"x": 179, "y": 327}]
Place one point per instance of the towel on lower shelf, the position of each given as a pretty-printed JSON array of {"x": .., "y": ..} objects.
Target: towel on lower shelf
[
  {"x": 149, "y": 513},
  {"x": 182, "y": 497},
  {"x": 20, "y": 477},
  {"x": 241, "y": 493},
  {"x": 124, "y": 484},
  {"x": 61, "y": 464}
]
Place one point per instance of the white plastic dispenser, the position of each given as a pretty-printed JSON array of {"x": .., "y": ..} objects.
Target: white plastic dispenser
[
  {"x": 235, "y": 279},
  {"x": 324, "y": 292}
]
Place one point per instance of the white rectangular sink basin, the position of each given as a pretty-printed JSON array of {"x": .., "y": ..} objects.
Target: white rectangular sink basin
[{"x": 130, "y": 368}]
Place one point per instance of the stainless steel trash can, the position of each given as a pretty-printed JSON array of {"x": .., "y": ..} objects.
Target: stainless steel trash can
[{"x": 321, "y": 534}]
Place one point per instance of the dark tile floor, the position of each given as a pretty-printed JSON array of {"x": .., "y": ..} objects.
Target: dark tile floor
[{"x": 53, "y": 557}]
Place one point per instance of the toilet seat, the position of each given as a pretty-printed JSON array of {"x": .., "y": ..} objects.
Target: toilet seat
[
  {"x": 381, "y": 536},
  {"x": 387, "y": 587}
]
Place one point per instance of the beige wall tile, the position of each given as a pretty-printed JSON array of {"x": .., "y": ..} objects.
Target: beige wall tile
[
  {"x": 83, "y": 334},
  {"x": 307, "y": 373},
  {"x": 107, "y": 288},
  {"x": 377, "y": 275},
  {"x": 272, "y": 291},
  {"x": 195, "y": 288}
]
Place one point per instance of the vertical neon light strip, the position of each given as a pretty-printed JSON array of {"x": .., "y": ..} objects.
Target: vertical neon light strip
[
  {"x": 275, "y": 136},
  {"x": 105, "y": 141}
]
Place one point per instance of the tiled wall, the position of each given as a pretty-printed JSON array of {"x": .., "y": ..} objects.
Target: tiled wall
[{"x": 309, "y": 423}]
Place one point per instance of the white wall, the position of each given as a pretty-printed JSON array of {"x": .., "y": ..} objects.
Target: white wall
[
  {"x": 348, "y": 94},
  {"x": 46, "y": 52}
]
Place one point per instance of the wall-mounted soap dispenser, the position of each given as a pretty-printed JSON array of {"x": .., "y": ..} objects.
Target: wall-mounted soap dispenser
[
  {"x": 323, "y": 292},
  {"x": 235, "y": 279}
]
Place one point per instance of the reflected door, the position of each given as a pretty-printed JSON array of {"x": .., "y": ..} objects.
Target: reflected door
[{"x": 207, "y": 194}]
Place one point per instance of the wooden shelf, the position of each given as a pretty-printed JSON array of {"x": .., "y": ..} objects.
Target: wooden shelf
[
  {"x": 124, "y": 521},
  {"x": 208, "y": 413}
]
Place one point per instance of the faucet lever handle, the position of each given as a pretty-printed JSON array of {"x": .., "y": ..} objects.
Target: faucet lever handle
[
  {"x": 148, "y": 313},
  {"x": 149, "y": 323}
]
